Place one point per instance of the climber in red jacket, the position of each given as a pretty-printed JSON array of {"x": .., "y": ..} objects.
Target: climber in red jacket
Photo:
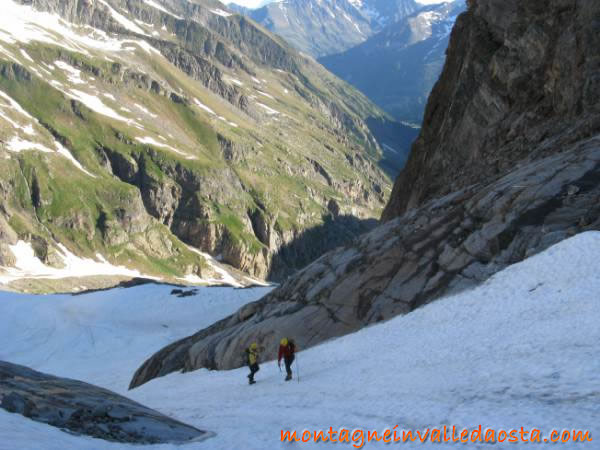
[{"x": 287, "y": 349}]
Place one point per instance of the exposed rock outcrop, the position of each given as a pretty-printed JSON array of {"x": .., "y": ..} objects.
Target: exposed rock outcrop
[
  {"x": 508, "y": 163},
  {"x": 7, "y": 237},
  {"x": 448, "y": 244},
  {"x": 322, "y": 28},
  {"x": 85, "y": 409},
  {"x": 179, "y": 198}
]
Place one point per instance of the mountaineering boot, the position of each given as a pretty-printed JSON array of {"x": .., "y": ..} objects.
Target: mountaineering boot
[
  {"x": 288, "y": 377},
  {"x": 251, "y": 382}
]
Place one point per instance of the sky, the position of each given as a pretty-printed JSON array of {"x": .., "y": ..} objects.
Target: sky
[{"x": 259, "y": 3}]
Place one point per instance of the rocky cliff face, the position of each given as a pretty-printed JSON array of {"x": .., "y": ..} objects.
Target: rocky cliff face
[
  {"x": 505, "y": 97},
  {"x": 521, "y": 82}
]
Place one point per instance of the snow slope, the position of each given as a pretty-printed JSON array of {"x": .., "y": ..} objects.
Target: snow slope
[
  {"x": 102, "y": 337},
  {"x": 520, "y": 350}
]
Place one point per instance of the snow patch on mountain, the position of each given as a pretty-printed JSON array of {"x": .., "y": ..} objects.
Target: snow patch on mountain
[
  {"x": 270, "y": 111},
  {"x": 9, "y": 109},
  {"x": 22, "y": 23},
  {"x": 26, "y": 55},
  {"x": 95, "y": 104},
  {"x": 145, "y": 110},
  {"x": 15, "y": 105},
  {"x": 28, "y": 265},
  {"x": 16, "y": 144},
  {"x": 151, "y": 141},
  {"x": 156, "y": 5},
  {"x": 73, "y": 75},
  {"x": 122, "y": 20},
  {"x": 234, "y": 81},
  {"x": 67, "y": 154},
  {"x": 264, "y": 94},
  {"x": 202, "y": 106},
  {"x": 225, "y": 276},
  {"x": 220, "y": 12}
]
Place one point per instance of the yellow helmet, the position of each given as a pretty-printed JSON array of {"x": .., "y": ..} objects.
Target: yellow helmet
[
  {"x": 253, "y": 346},
  {"x": 283, "y": 341}
]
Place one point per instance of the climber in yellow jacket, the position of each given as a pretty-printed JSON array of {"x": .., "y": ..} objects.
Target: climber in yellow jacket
[{"x": 252, "y": 360}]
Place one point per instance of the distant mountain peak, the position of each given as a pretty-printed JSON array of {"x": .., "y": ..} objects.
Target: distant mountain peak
[
  {"x": 324, "y": 27},
  {"x": 397, "y": 67}
]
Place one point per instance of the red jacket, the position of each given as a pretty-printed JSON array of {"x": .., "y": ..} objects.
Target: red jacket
[{"x": 286, "y": 351}]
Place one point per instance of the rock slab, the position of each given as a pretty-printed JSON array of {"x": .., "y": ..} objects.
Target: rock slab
[
  {"x": 448, "y": 244},
  {"x": 85, "y": 409}
]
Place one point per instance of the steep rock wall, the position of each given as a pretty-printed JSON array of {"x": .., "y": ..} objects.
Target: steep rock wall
[{"x": 521, "y": 81}]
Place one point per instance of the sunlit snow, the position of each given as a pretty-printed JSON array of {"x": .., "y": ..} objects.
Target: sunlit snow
[
  {"x": 28, "y": 265},
  {"x": 518, "y": 351},
  {"x": 151, "y": 141},
  {"x": 156, "y": 5},
  {"x": 16, "y": 144},
  {"x": 220, "y": 12},
  {"x": 201, "y": 105},
  {"x": 269, "y": 111}
]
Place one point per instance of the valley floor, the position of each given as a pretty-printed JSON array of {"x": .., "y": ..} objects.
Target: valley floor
[{"x": 521, "y": 350}]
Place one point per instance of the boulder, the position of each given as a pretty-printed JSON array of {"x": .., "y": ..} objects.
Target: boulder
[{"x": 85, "y": 409}]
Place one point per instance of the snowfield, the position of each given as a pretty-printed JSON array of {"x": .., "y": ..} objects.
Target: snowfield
[
  {"x": 102, "y": 337},
  {"x": 521, "y": 350}
]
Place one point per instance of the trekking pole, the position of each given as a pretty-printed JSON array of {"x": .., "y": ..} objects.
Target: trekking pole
[{"x": 298, "y": 368}]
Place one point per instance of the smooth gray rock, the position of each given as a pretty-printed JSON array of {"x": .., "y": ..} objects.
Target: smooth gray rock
[
  {"x": 82, "y": 408},
  {"x": 465, "y": 240}
]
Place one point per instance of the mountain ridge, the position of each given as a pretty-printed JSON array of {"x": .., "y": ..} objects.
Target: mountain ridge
[
  {"x": 398, "y": 66},
  {"x": 206, "y": 132},
  {"x": 322, "y": 28}
]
